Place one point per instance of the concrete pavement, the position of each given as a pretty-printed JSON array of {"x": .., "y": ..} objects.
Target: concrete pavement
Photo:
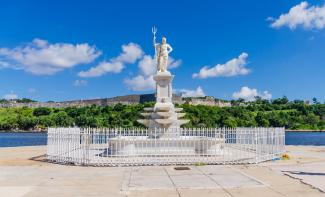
[{"x": 22, "y": 173}]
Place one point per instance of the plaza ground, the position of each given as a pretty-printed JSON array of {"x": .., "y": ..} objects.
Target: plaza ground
[{"x": 23, "y": 172}]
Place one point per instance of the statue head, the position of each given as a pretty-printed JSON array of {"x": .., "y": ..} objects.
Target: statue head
[{"x": 164, "y": 40}]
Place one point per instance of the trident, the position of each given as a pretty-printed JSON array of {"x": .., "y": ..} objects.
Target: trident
[{"x": 154, "y": 31}]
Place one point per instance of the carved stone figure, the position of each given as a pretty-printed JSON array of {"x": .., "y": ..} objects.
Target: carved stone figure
[{"x": 161, "y": 52}]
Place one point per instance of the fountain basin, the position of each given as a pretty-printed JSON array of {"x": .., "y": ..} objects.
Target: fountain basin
[{"x": 144, "y": 145}]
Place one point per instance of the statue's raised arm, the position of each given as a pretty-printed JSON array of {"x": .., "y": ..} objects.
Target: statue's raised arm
[{"x": 169, "y": 48}]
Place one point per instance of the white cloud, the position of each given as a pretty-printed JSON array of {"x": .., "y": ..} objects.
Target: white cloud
[
  {"x": 198, "y": 92},
  {"x": 10, "y": 96},
  {"x": 147, "y": 68},
  {"x": 144, "y": 80},
  {"x": 233, "y": 67},
  {"x": 79, "y": 83},
  {"x": 309, "y": 17},
  {"x": 40, "y": 43},
  {"x": 172, "y": 63},
  {"x": 141, "y": 83},
  {"x": 42, "y": 58},
  {"x": 131, "y": 53},
  {"x": 102, "y": 68},
  {"x": 4, "y": 64},
  {"x": 249, "y": 94}
]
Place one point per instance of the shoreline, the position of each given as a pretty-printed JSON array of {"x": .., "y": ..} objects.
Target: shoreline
[
  {"x": 20, "y": 131},
  {"x": 45, "y": 131},
  {"x": 302, "y": 130}
]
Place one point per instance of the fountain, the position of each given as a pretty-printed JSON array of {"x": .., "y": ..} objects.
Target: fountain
[
  {"x": 163, "y": 142},
  {"x": 163, "y": 114}
]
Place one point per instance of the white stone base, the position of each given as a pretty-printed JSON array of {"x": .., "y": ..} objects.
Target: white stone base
[{"x": 183, "y": 145}]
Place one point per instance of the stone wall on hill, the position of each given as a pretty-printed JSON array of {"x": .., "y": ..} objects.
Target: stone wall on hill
[{"x": 126, "y": 100}]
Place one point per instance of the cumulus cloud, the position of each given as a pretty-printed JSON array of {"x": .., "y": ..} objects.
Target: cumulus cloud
[
  {"x": 147, "y": 68},
  {"x": 172, "y": 63},
  {"x": 235, "y": 66},
  {"x": 250, "y": 94},
  {"x": 10, "y": 96},
  {"x": 130, "y": 54},
  {"x": 4, "y": 64},
  {"x": 102, "y": 68},
  {"x": 79, "y": 83},
  {"x": 141, "y": 83},
  {"x": 42, "y": 58},
  {"x": 309, "y": 17},
  {"x": 144, "y": 80},
  {"x": 198, "y": 92}
]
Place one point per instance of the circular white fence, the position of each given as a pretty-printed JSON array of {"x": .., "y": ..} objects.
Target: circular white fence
[{"x": 137, "y": 146}]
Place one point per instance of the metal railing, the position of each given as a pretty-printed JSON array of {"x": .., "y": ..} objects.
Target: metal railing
[{"x": 137, "y": 146}]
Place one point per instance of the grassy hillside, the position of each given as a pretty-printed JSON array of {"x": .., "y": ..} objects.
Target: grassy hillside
[{"x": 278, "y": 113}]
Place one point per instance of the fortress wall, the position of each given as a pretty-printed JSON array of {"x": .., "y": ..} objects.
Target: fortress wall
[{"x": 126, "y": 100}]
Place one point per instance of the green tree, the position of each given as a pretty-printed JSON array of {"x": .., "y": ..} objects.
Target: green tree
[
  {"x": 315, "y": 100},
  {"x": 42, "y": 111},
  {"x": 61, "y": 119},
  {"x": 262, "y": 120},
  {"x": 26, "y": 122},
  {"x": 25, "y": 100},
  {"x": 280, "y": 101},
  {"x": 229, "y": 122},
  {"x": 8, "y": 123},
  {"x": 45, "y": 122},
  {"x": 312, "y": 120}
]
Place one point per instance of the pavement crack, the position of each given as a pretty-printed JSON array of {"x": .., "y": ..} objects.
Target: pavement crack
[
  {"x": 224, "y": 189},
  {"x": 262, "y": 182},
  {"x": 174, "y": 185},
  {"x": 303, "y": 182},
  {"x": 126, "y": 180}
]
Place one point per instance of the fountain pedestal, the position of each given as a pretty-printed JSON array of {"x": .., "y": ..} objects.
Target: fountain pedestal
[{"x": 163, "y": 114}]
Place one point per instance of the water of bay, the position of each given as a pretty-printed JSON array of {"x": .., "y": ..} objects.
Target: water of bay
[
  {"x": 12, "y": 139},
  {"x": 305, "y": 138}
]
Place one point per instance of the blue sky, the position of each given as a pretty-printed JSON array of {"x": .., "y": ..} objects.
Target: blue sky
[{"x": 64, "y": 50}]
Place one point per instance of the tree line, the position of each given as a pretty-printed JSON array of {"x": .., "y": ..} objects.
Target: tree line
[{"x": 260, "y": 113}]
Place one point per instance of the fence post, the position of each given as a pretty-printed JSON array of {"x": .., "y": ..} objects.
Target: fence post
[{"x": 256, "y": 145}]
